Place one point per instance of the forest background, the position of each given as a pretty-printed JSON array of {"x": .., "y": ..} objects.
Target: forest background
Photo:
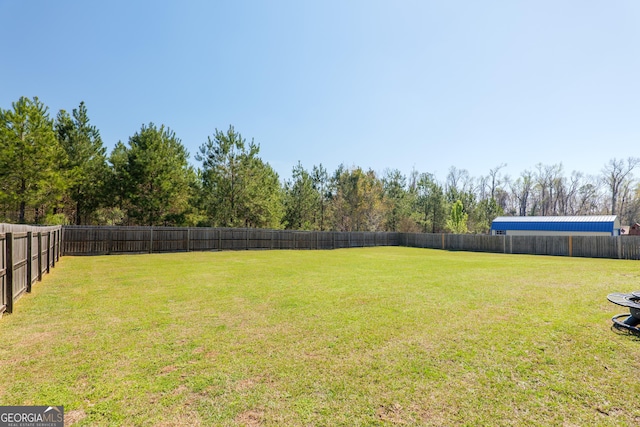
[{"x": 57, "y": 171}]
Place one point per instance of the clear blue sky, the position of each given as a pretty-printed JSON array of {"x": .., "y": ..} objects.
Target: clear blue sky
[{"x": 377, "y": 84}]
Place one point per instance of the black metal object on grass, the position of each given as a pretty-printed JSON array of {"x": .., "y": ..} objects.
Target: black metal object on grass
[{"x": 631, "y": 321}]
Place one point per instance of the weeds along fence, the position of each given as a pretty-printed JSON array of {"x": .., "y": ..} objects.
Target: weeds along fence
[
  {"x": 26, "y": 254},
  {"x": 88, "y": 240}
]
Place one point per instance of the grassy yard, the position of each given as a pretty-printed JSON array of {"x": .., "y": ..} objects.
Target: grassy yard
[{"x": 375, "y": 336}]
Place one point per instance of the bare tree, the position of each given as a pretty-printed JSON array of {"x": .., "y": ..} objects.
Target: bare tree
[
  {"x": 568, "y": 194},
  {"x": 547, "y": 181},
  {"x": 626, "y": 202},
  {"x": 615, "y": 174},
  {"x": 521, "y": 189},
  {"x": 458, "y": 182},
  {"x": 482, "y": 187},
  {"x": 589, "y": 197},
  {"x": 633, "y": 207},
  {"x": 495, "y": 179}
]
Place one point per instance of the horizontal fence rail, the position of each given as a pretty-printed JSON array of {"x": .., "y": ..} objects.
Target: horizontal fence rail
[{"x": 26, "y": 253}]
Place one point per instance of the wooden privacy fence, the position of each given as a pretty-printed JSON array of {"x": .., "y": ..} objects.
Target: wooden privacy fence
[
  {"x": 91, "y": 240},
  {"x": 26, "y": 253},
  {"x": 616, "y": 247},
  {"x": 87, "y": 240}
]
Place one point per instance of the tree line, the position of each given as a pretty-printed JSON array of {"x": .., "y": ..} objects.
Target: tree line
[{"x": 57, "y": 171}]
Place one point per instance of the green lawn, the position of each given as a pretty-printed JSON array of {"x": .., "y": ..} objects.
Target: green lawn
[{"x": 374, "y": 336}]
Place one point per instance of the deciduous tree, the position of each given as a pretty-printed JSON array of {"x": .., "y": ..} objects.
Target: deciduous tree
[
  {"x": 457, "y": 221},
  {"x": 357, "y": 202}
]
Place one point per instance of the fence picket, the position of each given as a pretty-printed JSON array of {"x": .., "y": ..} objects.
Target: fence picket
[{"x": 21, "y": 259}]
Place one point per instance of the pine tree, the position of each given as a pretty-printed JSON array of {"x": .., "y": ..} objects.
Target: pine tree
[
  {"x": 240, "y": 190},
  {"x": 396, "y": 200},
  {"x": 321, "y": 184},
  {"x": 30, "y": 159},
  {"x": 302, "y": 200},
  {"x": 156, "y": 177},
  {"x": 430, "y": 202},
  {"x": 86, "y": 167}
]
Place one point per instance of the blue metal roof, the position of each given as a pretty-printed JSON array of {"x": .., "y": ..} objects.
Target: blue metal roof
[{"x": 596, "y": 223}]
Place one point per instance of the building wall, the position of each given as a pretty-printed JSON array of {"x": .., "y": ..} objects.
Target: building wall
[{"x": 552, "y": 233}]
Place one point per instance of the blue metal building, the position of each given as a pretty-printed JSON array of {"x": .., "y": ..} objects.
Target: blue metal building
[{"x": 595, "y": 225}]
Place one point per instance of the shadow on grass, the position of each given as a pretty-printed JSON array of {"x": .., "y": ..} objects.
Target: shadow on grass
[{"x": 618, "y": 330}]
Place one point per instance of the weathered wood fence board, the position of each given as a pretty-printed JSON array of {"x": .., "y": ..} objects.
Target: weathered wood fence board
[
  {"x": 85, "y": 240},
  {"x": 630, "y": 248},
  {"x": 26, "y": 253},
  {"x": 597, "y": 246},
  {"x": 616, "y": 247},
  {"x": 4, "y": 297}
]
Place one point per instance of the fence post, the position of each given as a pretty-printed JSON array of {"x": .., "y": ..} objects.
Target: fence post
[
  {"x": 60, "y": 243},
  {"x": 151, "y": 239},
  {"x": 619, "y": 246},
  {"x": 53, "y": 249},
  {"x": 570, "y": 246},
  {"x": 56, "y": 242},
  {"x": 188, "y": 240},
  {"x": 39, "y": 256},
  {"x": 9, "y": 274},
  {"x": 48, "y": 251},
  {"x": 59, "y": 248},
  {"x": 29, "y": 259}
]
